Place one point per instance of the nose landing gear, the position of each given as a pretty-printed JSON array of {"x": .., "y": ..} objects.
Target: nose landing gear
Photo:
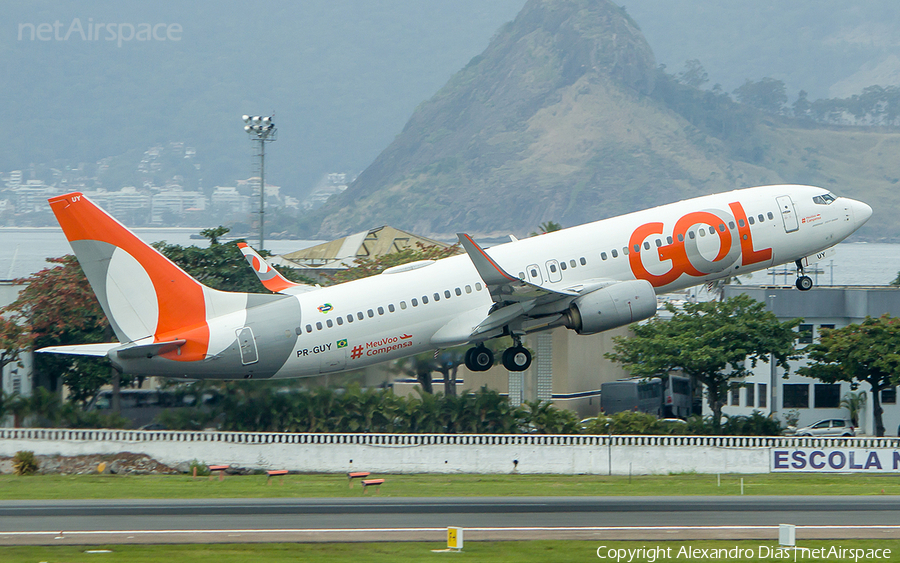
[{"x": 804, "y": 282}]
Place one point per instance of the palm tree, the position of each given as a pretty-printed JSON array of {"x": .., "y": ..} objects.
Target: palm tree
[{"x": 854, "y": 403}]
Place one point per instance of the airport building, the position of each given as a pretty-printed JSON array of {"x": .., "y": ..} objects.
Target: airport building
[{"x": 769, "y": 392}]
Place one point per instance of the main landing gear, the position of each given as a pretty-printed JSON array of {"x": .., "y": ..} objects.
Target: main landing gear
[
  {"x": 515, "y": 358},
  {"x": 804, "y": 282}
]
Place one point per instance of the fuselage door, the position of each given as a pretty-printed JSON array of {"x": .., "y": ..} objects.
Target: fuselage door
[
  {"x": 554, "y": 274},
  {"x": 533, "y": 273},
  {"x": 788, "y": 215},
  {"x": 248, "y": 345}
]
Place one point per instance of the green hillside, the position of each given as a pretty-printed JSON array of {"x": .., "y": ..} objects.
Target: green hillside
[{"x": 566, "y": 117}]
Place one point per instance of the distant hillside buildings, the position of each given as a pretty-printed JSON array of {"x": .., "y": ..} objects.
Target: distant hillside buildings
[{"x": 25, "y": 202}]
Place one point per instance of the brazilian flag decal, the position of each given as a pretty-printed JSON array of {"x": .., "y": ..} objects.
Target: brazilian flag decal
[{"x": 342, "y": 343}]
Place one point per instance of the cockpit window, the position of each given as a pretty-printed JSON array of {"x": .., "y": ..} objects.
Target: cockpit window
[{"x": 826, "y": 199}]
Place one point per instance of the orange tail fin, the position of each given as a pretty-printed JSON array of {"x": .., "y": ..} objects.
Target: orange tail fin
[{"x": 142, "y": 292}]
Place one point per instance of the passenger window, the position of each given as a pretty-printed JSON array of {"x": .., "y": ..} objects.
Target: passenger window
[
  {"x": 721, "y": 228},
  {"x": 741, "y": 223},
  {"x": 583, "y": 261},
  {"x": 637, "y": 248},
  {"x": 381, "y": 310},
  {"x": 458, "y": 291},
  {"x": 761, "y": 218},
  {"x": 437, "y": 297},
  {"x": 562, "y": 264},
  {"x": 702, "y": 232},
  {"x": 446, "y": 294},
  {"x": 691, "y": 235},
  {"x": 625, "y": 251},
  {"x": 468, "y": 289},
  {"x": 391, "y": 308},
  {"x": 478, "y": 286},
  {"x": 340, "y": 321},
  {"x": 534, "y": 273},
  {"x": 521, "y": 275},
  {"x": 359, "y": 315},
  {"x": 329, "y": 323},
  {"x": 669, "y": 240},
  {"x": 318, "y": 326},
  {"x": 750, "y": 219},
  {"x": 403, "y": 305},
  {"x": 658, "y": 243},
  {"x": 614, "y": 253},
  {"x": 603, "y": 256},
  {"x": 680, "y": 237},
  {"x": 415, "y": 302},
  {"x": 424, "y": 300},
  {"x": 731, "y": 225},
  {"x": 712, "y": 230},
  {"x": 371, "y": 313},
  {"x": 572, "y": 263},
  {"x": 349, "y": 318},
  {"x": 553, "y": 268},
  {"x": 770, "y": 216},
  {"x": 298, "y": 331},
  {"x": 308, "y": 328}
]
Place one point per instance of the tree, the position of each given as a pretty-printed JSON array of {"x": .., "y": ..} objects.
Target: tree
[
  {"x": 221, "y": 265},
  {"x": 58, "y": 307},
  {"x": 12, "y": 341},
  {"x": 711, "y": 342},
  {"x": 546, "y": 227},
  {"x": 867, "y": 352},
  {"x": 768, "y": 95},
  {"x": 802, "y": 106},
  {"x": 694, "y": 74},
  {"x": 854, "y": 403}
]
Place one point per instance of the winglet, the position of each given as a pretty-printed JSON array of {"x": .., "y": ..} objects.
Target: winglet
[
  {"x": 490, "y": 271},
  {"x": 269, "y": 276}
]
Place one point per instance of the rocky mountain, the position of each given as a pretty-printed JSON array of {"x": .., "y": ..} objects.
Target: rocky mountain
[{"x": 564, "y": 117}]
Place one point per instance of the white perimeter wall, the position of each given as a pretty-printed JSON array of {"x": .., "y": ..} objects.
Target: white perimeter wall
[{"x": 432, "y": 453}]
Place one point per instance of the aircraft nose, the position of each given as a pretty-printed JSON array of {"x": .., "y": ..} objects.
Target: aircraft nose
[{"x": 861, "y": 211}]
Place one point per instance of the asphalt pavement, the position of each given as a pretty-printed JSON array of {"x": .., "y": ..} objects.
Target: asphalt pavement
[{"x": 392, "y": 519}]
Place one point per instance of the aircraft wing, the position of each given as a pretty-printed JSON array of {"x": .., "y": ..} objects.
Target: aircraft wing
[
  {"x": 269, "y": 276},
  {"x": 516, "y": 302},
  {"x": 504, "y": 287}
]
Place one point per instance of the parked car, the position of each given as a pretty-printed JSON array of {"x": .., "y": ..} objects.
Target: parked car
[{"x": 828, "y": 427}]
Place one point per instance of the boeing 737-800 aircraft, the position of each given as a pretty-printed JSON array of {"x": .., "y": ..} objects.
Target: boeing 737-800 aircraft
[{"x": 589, "y": 278}]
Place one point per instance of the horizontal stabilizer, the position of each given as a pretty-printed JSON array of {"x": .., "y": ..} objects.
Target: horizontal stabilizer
[
  {"x": 149, "y": 350},
  {"x": 99, "y": 350}
]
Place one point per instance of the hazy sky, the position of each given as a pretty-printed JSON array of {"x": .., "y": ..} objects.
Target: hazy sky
[{"x": 343, "y": 76}]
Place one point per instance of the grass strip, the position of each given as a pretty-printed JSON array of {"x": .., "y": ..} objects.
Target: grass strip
[
  {"x": 332, "y": 486},
  {"x": 501, "y": 552}
]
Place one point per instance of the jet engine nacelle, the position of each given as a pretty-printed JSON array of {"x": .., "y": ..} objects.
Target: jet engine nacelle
[{"x": 616, "y": 305}]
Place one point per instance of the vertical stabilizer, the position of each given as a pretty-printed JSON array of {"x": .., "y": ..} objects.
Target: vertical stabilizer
[{"x": 144, "y": 295}]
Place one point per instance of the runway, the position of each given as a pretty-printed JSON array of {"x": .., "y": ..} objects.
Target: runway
[{"x": 426, "y": 519}]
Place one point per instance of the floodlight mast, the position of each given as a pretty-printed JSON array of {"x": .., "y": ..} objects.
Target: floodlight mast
[{"x": 262, "y": 129}]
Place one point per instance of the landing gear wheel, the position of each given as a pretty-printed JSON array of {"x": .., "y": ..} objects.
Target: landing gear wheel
[
  {"x": 516, "y": 358},
  {"x": 479, "y": 358},
  {"x": 804, "y": 283}
]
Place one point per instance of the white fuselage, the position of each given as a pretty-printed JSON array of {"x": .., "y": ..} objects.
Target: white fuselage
[{"x": 678, "y": 245}]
